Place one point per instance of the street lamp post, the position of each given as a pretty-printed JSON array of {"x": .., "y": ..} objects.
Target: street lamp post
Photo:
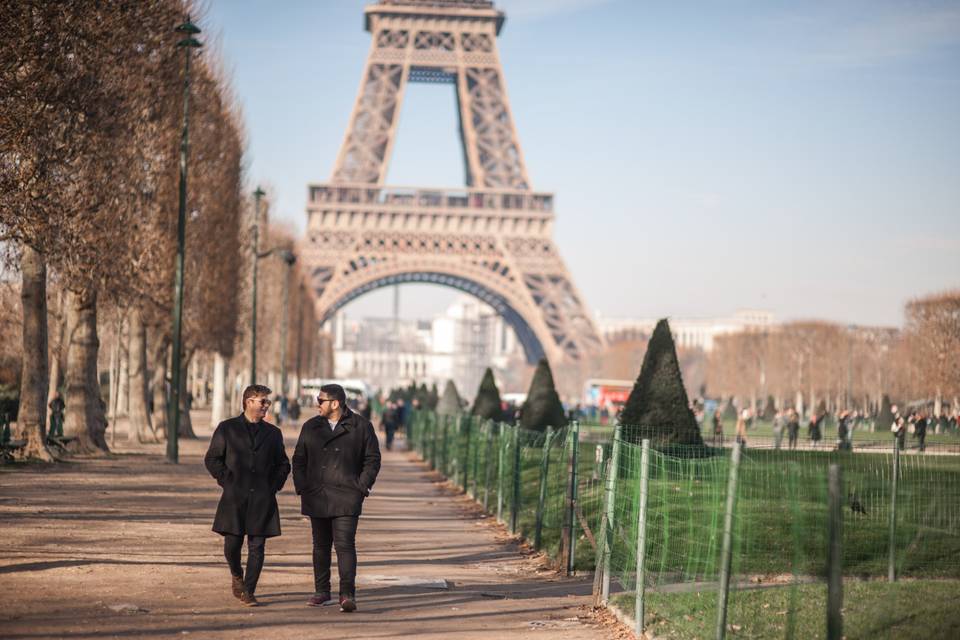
[
  {"x": 850, "y": 330},
  {"x": 189, "y": 42},
  {"x": 289, "y": 258},
  {"x": 299, "y": 338},
  {"x": 259, "y": 193}
]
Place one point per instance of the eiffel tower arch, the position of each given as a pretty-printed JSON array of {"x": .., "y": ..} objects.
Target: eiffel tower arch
[{"x": 492, "y": 238}]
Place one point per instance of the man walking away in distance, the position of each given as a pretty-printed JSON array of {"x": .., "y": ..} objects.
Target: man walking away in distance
[
  {"x": 335, "y": 464},
  {"x": 247, "y": 458}
]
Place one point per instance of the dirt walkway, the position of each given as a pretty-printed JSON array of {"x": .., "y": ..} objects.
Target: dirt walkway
[{"x": 122, "y": 547}]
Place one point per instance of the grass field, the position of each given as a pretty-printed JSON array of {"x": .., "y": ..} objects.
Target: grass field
[
  {"x": 781, "y": 516},
  {"x": 906, "y": 610}
]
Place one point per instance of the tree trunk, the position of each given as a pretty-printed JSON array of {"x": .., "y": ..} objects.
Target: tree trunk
[
  {"x": 114, "y": 376},
  {"x": 123, "y": 389},
  {"x": 141, "y": 428},
  {"x": 85, "y": 417},
  {"x": 31, "y": 421},
  {"x": 57, "y": 352},
  {"x": 158, "y": 386},
  {"x": 219, "y": 393}
]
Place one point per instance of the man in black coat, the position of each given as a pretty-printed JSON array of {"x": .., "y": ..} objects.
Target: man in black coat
[
  {"x": 247, "y": 458},
  {"x": 335, "y": 464}
]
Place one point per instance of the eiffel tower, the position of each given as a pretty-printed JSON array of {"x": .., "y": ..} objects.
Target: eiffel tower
[{"x": 491, "y": 239}]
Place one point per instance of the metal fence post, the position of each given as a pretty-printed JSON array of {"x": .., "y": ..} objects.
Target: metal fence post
[
  {"x": 642, "y": 535},
  {"x": 466, "y": 452},
  {"x": 476, "y": 461},
  {"x": 501, "y": 446},
  {"x": 433, "y": 442},
  {"x": 542, "y": 497},
  {"x": 607, "y": 543},
  {"x": 572, "y": 498},
  {"x": 835, "y": 556},
  {"x": 892, "y": 562},
  {"x": 515, "y": 502},
  {"x": 727, "y": 550},
  {"x": 446, "y": 430},
  {"x": 487, "y": 467}
]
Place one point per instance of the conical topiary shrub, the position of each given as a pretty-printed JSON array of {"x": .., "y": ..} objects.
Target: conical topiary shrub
[
  {"x": 542, "y": 408},
  {"x": 449, "y": 404},
  {"x": 658, "y": 407},
  {"x": 885, "y": 417},
  {"x": 730, "y": 410},
  {"x": 770, "y": 409},
  {"x": 487, "y": 403},
  {"x": 821, "y": 407}
]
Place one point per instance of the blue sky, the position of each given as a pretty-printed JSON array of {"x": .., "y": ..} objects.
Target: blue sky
[{"x": 798, "y": 157}]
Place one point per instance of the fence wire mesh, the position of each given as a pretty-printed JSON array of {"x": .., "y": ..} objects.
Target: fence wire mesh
[{"x": 561, "y": 490}]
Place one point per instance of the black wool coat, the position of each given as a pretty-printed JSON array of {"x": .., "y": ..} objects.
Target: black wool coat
[
  {"x": 251, "y": 473},
  {"x": 334, "y": 470}
]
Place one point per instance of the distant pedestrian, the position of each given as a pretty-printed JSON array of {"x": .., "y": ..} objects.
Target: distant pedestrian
[
  {"x": 793, "y": 429},
  {"x": 717, "y": 428},
  {"x": 742, "y": 426},
  {"x": 899, "y": 428},
  {"x": 247, "y": 458},
  {"x": 813, "y": 429},
  {"x": 391, "y": 422},
  {"x": 844, "y": 426},
  {"x": 778, "y": 421},
  {"x": 57, "y": 406},
  {"x": 920, "y": 431}
]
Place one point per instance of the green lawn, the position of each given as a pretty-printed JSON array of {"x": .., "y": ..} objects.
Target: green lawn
[
  {"x": 906, "y": 610},
  {"x": 781, "y": 520}
]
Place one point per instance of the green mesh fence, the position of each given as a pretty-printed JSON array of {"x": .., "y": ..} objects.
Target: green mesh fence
[{"x": 560, "y": 490}]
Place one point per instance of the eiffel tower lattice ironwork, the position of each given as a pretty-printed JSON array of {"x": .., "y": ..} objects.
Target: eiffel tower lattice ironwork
[{"x": 493, "y": 238}]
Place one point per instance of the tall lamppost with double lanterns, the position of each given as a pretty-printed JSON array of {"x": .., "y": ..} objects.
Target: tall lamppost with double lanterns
[{"x": 189, "y": 30}]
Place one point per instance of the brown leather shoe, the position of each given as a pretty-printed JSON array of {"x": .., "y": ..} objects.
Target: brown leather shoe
[
  {"x": 320, "y": 599},
  {"x": 247, "y": 600},
  {"x": 348, "y": 604},
  {"x": 236, "y": 585}
]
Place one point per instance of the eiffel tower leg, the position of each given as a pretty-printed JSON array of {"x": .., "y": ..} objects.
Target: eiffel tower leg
[
  {"x": 369, "y": 140},
  {"x": 490, "y": 140}
]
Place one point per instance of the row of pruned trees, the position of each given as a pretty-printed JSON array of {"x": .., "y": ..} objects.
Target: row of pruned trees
[
  {"x": 90, "y": 122},
  {"x": 808, "y": 363}
]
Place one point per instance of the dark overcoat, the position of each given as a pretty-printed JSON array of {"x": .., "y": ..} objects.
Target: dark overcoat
[
  {"x": 334, "y": 469},
  {"x": 251, "y": 473}
]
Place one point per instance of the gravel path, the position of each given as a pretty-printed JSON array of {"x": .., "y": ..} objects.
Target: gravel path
[{"x": 122, "y": 547}]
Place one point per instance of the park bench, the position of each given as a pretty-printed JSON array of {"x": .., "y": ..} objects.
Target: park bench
[
  {"x": 7, "y": 444},
  {"x": 55, "y": 436}
]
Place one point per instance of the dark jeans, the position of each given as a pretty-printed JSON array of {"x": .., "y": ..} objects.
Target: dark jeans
[
  {"x": 339, "y": 532},
  {"x": 232, "y": 545}
]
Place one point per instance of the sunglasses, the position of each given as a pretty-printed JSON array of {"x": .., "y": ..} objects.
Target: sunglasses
[{"x": 322, "y": 400}]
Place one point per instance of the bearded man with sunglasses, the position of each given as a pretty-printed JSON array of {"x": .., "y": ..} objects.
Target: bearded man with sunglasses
[
  {"x": 335, "y": 464},
  {"x": 247, "y": 458}
]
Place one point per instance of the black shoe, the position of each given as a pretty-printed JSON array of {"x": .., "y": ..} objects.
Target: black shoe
[
  {"x": 347, "y": 604},
  {"x": 320, "y": 599},
  {"x": 236, "y": 585}
]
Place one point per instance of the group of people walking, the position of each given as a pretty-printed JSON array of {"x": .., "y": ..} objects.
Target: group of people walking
[
  {"x": 335, "y": 465},
  {"x": 788, "y": 421}
]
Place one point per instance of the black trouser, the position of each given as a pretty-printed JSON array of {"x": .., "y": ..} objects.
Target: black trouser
[
  {"x": 340, "y": 532},
  {"x": 232, "y": 545}
]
